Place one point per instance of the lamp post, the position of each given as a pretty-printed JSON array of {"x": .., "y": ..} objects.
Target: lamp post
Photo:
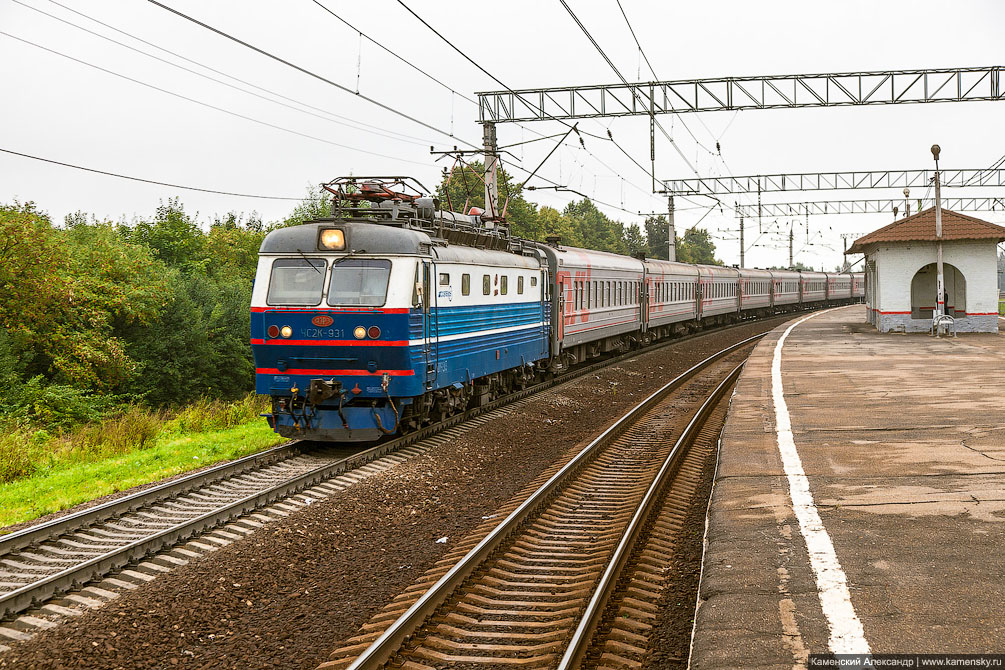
[
  {"x": 907, "y": 202},
  {"x": 940, "y": 303}
]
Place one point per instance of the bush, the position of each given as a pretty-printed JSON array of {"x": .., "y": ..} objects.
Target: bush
[
  {"x": 15, "y": 456},
  {"x": 134, "y": 428},
  {"x": 207, "y": 414},
  {"x": 51, "y": 405}
]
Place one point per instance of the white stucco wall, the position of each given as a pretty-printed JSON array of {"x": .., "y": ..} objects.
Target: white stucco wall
[{"x": 896, "y": 264}]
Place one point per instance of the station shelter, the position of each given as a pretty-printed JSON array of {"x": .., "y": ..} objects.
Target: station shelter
[{"x": 900, "y": 272}]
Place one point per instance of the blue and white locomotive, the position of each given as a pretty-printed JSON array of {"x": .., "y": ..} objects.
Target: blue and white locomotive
[{"x": 394, "y": 313}]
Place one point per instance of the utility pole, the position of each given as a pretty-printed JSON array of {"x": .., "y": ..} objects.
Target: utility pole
[
  {"x": 491, "y": 174},
  {"x": 741, "y": 243},
  {"x": 940, "y": 303},
  {"x": 760, "y": 228},
  {"x": 844, "y": 241},
  {"x": 671, "y": 233},
  {"x": 792, "y": 227}
]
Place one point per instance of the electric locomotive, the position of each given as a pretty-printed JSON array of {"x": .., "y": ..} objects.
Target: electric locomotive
[{"x": 372, "y": 321}]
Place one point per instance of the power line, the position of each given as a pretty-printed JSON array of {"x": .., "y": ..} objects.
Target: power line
[
  {"x": 307, "y": 72},
  {"x": 416, "y": 140},
  {"x": 656, "y": 77},
  {"x": 625, "y": 82},
  {"x": 147, "y": 181},
  {"x": 475, "y": 102},
  {"x": 401, "y": 58},
  {"x": 206, "y": 104},
  {"x": 229, "y": 76},
  {"x": 491, "y": 76}
]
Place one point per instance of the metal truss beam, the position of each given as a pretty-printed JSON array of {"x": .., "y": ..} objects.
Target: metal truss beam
[
  {"x": 828, "y": 181},
  {"x": 868, "y": 206},
  {"x": 884, "y": 87}
]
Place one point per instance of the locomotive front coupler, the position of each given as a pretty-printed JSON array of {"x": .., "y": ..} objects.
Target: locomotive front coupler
[{"x": 320, "y": 390}]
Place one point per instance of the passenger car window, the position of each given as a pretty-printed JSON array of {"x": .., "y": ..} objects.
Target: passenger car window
[
  {"x": 465, "y": 284},
  {"x": 296, "y": 281},
  {"x": 519, "y": 284},
  {"x": 359, "y": 281},
  {"x": 504, "y": 284},
  {"x": 444, "y": 279},
  {"x": 486, "y": 284}
]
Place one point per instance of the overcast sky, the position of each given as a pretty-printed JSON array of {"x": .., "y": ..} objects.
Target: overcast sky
[{"x": 67, "y": 111}]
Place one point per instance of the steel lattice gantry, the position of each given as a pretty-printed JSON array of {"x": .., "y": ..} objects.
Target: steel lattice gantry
[
  {"x": 730, "y": 93},
  {"x": 868, "y": 206},
  {"x": 827, "y": 181}
]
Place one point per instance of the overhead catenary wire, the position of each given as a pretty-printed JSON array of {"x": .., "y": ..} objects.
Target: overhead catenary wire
[
  {"x": 614, "y": 67},
  {"x": 315, "y": 75},
  {"x": 324, "y": 79},
  {"x": 206, "y": 104},
  {"x": 324, "y": 117},
  {"x": 148, "y": 181},
  {"x": 656, "y": 77},
  {"x": 581, "y": 147},
  {"x": 393, "y": 53},
  {"x": 468, "y": 58}
]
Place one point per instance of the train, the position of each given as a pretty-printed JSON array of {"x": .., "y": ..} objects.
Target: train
[{"x": 394, "y": 313}]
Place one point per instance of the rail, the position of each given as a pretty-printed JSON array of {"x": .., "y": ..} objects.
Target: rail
[{"x": 387, "y": 645}]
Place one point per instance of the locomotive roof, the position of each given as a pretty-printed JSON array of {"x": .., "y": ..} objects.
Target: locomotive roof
[
  {"x": 462, "y": 254},
  {"x": 360, "y": 237}
]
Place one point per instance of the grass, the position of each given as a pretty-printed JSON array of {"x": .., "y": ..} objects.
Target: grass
[
  {"x": 42, "y": 473},
  {"x": 1001, "y": 307}
]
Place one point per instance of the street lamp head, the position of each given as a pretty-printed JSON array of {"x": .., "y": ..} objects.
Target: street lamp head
[
  {"x": 907, "y": 193},
  {"x": 935, "y": 151}
]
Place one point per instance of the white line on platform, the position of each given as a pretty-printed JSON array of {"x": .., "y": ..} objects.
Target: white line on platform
[{"x": 846, "y": 634}]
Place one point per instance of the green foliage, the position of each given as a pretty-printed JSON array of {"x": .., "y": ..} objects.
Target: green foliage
[
  {"x": 41, "y": 473},
  {"x": 635, "y": 241},
  {"x": 16, "y": 460},
  {"x": 594, "y": 228},
  {"x": 696, "y": 247},
  {"x": 657, "y": 237},
  {"x": 173, "y": 236},
  {"x": 208, "y": 414},
  {"x": 38, "y": 402},
  {"x": 316, "y": 205}
]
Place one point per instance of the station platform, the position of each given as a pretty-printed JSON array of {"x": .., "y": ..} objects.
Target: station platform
[{"x": 896, "y": 464}]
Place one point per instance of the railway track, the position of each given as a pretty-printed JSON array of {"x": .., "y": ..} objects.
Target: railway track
[
  {"x": 575, "y": 570},
  {"x": 48, "y": 559}
]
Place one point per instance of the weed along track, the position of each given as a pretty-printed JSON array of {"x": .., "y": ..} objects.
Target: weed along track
[{"x": 574, "y": 571}]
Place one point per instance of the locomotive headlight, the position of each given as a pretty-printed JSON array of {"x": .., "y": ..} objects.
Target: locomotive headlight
[
  {"x": 373, "y": 332},
  {"x": 333, "y": 239},
  {"x": 359, "y": 332},
  {"x": 286, "y": 331}
]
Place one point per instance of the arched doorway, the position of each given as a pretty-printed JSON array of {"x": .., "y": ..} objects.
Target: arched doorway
[{"x": 923, "y": 292}]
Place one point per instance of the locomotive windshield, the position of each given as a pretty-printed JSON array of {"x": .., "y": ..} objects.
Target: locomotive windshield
[
  {"x": 296, "y": 281},
  {"x": 359, "y": 281}
]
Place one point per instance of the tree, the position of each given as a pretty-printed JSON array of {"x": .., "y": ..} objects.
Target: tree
[
  {"x": 696, "y": 247},
  {"x": 634, "y": 240},
  {"x": 553, "y": 223},
  {"x": 173, "y": 235},
  {"x": 594, "y": 228},
  {"x": 656, "y": 234},
  {"x": 316, "y": 205}
]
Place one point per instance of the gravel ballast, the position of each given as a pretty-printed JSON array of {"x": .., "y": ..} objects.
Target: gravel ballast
[{"x": 285, "y": 596}]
